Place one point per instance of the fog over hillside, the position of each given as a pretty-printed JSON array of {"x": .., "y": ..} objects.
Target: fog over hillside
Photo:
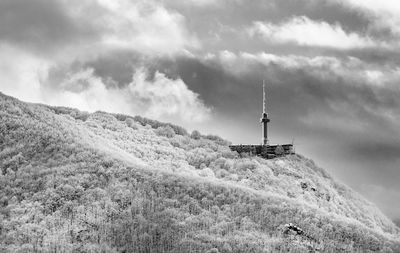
[{"x": 73, "y": 181}]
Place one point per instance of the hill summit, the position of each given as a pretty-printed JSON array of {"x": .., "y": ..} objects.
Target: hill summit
[{"x": 73, "y": 181}]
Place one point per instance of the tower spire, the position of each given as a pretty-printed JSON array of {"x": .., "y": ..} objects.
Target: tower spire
[
  {"x": 264, "y": 98},
  {"x": 264, "y": 118}
]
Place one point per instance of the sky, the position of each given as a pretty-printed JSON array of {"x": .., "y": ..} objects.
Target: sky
[{"x": 330, "y": 67}]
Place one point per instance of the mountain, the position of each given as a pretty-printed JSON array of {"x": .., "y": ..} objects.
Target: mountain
[{"x": 73, "y": 181}]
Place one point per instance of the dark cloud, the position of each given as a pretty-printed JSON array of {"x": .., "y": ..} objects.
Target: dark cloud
[
  {"x": 40, "y": 24},
  {"x": 300, "y": 88}
]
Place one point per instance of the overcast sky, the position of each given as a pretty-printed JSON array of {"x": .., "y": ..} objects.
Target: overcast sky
[{"x": 331, "y": 69}]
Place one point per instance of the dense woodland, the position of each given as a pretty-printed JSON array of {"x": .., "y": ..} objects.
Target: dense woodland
[{"x": 72, "y": 181}]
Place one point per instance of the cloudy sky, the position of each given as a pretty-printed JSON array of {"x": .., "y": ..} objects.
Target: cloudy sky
[{"x": 331, "y": 69}]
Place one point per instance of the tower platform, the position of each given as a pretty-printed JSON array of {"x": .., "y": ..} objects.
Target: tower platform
[{"x": 264, "y": 151}]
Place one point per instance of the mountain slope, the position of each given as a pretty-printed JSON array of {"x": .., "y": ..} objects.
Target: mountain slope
[{"x": 73, "y": 181}]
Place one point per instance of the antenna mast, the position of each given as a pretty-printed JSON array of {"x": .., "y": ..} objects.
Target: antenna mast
[
  {"x": 264, "y": 118},
  {"x": 264, "y": 98}
]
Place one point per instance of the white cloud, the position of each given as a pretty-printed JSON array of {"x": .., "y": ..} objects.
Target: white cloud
[
  {"x": 21, "y": 73},
  {"x": 161, "y": 98},
  {"x": 306, "y": 32},
  {"x": 25, "y": 76},
  {"x": 198, "y": 3},
  {"x": 166, "y": 97},
  {"x": 144, "y": 26},
  {"x": 326, "y": 63},
  {"x": 226, "y": 57}
]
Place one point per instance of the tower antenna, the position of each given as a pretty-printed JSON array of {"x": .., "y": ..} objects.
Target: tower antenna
[
  {"x": 264, "y": 98},
  {"x": 264, "y": 118}
]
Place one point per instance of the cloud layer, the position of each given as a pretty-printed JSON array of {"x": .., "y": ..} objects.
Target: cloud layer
[
  {"x": 306, "y": 32},
  {"x": 45, "y": 47},
  {"x": 159, "y": 97}
]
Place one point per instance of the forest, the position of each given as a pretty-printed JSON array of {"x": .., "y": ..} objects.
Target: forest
[{"x": 74, "y": 181}]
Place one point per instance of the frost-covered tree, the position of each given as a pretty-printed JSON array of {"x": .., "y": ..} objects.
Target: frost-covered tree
[{"x": 77, "y": 182}]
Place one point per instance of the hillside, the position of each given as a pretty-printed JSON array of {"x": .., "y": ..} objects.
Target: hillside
[{"x": 72, "y": 181}]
